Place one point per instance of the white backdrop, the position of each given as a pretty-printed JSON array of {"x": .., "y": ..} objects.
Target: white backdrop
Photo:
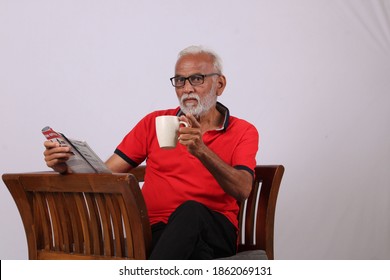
[{"x": 313, "y": 76}]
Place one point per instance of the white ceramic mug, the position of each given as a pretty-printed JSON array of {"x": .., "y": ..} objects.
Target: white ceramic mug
[{"x": 167, "y": 128}]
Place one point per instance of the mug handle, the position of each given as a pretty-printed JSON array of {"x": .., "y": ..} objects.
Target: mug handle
[{"x": 184, "y": 123}]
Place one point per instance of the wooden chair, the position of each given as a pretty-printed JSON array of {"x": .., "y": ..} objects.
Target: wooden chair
[
  {"x": 81, "y": 216},
  {"x": 103, "y": 216}
]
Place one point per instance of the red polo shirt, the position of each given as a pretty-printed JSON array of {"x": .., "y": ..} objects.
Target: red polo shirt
[{"x": 175, "y": 176}]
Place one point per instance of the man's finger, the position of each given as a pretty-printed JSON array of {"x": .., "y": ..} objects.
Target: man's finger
[{"x": 193, "y": 120}]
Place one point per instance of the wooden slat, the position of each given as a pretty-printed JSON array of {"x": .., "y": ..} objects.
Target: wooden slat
[
  {"x": 95, "y": 224},
  {"x": 64, "y": 223},
  {"x": 127, "y": 228},
  {"x": 37, "y": 220},
  {"x": 120, "y": 236},
  {"x": 116, "y": 225},
  {"x": 76, "y": 234},
  {"x": 106, "y": 223},
  {"x": 44, "y": 218},
  {"x": 84, "y": 220},
  {"x": 250, "y": 215},
  {"x": 55, "y": 223}
]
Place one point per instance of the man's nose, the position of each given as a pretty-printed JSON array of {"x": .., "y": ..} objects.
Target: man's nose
[{"x": 187, "y": 86}]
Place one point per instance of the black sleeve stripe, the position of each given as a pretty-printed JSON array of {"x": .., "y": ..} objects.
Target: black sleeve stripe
[
  {"x": 246, "y": 168},
  {"x": 126, "y": 158}
]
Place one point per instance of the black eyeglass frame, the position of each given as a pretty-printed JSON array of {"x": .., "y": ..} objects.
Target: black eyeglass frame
[{"x": 189, "y": 79}]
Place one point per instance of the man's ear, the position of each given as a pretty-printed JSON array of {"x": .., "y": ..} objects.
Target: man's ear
[{"x": 221, "y": 84}]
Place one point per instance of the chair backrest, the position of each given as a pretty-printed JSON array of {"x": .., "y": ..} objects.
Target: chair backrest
[
  {"x": 81, "y": 216},
  {"x": 257, "y": 213}
]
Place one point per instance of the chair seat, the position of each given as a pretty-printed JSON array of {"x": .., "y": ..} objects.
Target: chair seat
[{"x": 248, "y": 255}]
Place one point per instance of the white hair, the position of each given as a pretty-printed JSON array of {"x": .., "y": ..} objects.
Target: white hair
[{"x": 200, "y": 49}]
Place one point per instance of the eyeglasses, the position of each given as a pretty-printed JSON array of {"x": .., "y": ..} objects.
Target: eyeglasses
[{"x": 195, "y": 80}]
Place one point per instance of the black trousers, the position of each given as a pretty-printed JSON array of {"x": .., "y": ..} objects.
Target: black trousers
[{"x": 193, "y": 232}]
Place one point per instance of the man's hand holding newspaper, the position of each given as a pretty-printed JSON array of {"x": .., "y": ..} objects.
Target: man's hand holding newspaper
[{"x": 83, "y": 158}]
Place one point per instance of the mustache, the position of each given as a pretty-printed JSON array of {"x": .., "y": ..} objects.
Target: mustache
[{"x": 189, "y": 96}]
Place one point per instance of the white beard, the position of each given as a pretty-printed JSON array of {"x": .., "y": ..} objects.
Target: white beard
[{"x": 204, "y": 105}]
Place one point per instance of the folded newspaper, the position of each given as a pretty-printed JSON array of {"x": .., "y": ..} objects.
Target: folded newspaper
[{"x": 83, "y": 159}]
